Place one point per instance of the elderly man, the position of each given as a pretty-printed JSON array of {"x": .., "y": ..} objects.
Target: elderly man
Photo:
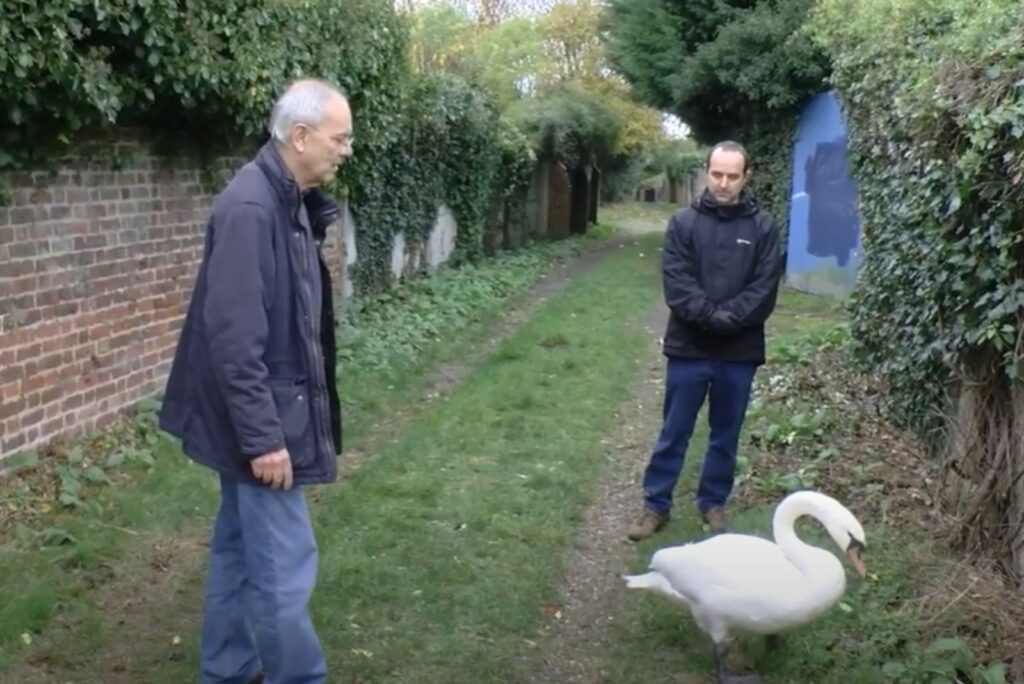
[
  {"x": 720, "y": 270},
  {"x": 252, "y": 392}
]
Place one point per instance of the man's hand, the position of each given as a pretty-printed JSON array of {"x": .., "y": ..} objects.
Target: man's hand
[
  {"x": 274, "y": 469},
  {"x": 723, "y": 321}
]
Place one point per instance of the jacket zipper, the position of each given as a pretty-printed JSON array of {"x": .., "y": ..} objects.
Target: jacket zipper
[{"x": 319, "y": 395}]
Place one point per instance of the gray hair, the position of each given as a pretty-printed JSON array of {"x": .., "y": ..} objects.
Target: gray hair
[{"x": 303, "y": 101}]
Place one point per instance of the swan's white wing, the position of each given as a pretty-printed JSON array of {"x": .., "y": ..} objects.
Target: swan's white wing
[
  {"x": 725, "y": 559},
  {"x": 745, "y": 580}
]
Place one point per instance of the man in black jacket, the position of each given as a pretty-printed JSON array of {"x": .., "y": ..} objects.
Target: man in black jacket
[
  {"x": 721, "y": 267},
  {"x": 252, "y": 392}
]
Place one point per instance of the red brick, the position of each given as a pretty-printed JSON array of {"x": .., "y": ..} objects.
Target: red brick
[
  {"x": 32, "y": 351},
  {"x": 69, "y": 404},
  {"x": 11, "y": 408},
  {"x": 33, "y": 417},
  {"x": 96, "y": 272},
  {"x": 9, "y": 374},
  {"x": 53, "y": 425},
  {"x": 14, "y": 439}
]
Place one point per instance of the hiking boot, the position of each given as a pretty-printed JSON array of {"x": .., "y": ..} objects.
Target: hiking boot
[
  {"x": 715, "y": 519},
  {"x": 647, "y": 524}
]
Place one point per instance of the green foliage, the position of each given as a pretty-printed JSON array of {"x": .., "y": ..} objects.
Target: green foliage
[
  {"x": 443, "y": 39},
  {"x": 201, "y": 77},
  {"x": 934, "y": 96},
  {"x": 445, "y": 143},
  {"x": 720, "y": 65},
  {"x": 770, "y": 145},
  {"x": 736, "y": 69},
  {"x": 678, "y": 158},
  {"x": 195, "y": 72},
  {"x": 392, "y": 329},
  {"x": 572, "y": 124},
  {"x": 645, "y": 44},
  {"x": 945, "y": 661},
  {"x": 525, "y": 59},
  {"x": 69, "y": 478}
]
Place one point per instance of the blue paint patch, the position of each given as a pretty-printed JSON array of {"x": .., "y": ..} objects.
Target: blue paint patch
[{"x": 824, "y": 223}]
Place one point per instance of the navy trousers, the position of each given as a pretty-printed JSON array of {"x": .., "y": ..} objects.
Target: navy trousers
[{"x": 726, "y": 386}]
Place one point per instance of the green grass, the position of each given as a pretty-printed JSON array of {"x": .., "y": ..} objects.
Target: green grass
[
  {"x": 46, "y": 580},
  {"x": 656, "y": 212},
  {"x": 446, "y": 544},
  {"x": 456, "y": 532},
  {"x": 441, "y": 551},
  {"x": 54, "y": 569},
  {"x": 868, "y": 633},
  {"x": 438, "y": 555}
]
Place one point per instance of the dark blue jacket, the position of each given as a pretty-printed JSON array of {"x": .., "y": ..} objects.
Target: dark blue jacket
[
  {"x": 724, "y": 258},
  {"x": 254, "y": 370}
]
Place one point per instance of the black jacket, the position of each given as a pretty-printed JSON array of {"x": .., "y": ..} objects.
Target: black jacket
[
  {"x": 254, "y": 371},
  {"x": 721, "y": 267}
]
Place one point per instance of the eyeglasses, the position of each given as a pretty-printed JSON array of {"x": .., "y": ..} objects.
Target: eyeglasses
[{"x": 344, "y": 140}]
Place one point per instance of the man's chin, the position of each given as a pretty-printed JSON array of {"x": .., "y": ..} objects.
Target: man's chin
[{"x": 329, "y": 176}]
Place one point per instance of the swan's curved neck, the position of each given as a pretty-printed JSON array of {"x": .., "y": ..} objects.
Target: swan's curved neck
[{"x": 822, "y": 569}]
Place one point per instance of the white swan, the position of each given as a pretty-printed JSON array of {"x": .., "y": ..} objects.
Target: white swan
[{"x": 738, "y": 582}]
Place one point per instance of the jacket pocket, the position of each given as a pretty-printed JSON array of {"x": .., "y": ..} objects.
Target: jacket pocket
[{"x": 292, "y": 401}]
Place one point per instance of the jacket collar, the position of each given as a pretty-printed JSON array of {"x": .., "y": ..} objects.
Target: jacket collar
[
  {"x": 746, "y": 205},
  {"x": 322, "y": 210}
]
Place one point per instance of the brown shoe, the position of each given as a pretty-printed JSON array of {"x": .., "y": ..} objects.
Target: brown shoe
[
  {"x": 715, "y": 518},
  {"x": 647, "y": 524}
]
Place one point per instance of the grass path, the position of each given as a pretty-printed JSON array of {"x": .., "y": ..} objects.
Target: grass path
[
  {"x": 603, "y": 633},
  {"x": 478, "y": 535},
  {"x": 132, "y": 574}
]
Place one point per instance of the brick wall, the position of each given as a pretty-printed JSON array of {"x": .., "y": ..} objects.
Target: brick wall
[{"x": 96, "y": 268}]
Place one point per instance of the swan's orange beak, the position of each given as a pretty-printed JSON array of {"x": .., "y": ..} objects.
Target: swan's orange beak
[{"x": 854, "y": 553}]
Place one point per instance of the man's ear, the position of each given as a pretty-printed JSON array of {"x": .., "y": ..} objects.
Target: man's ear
[{"x": 300, "y": 137}]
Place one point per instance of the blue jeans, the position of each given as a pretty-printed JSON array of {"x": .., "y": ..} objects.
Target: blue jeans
[
  {"x": 263, "y": 563},
  {"x": 689, "y": 381}
]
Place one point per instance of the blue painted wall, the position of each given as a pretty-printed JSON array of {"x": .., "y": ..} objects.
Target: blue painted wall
[{"x": 824, "y": 223}]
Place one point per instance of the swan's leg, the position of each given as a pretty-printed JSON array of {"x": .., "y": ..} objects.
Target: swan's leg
[
  {"x": 719, "y": 651},
  {"x": 722, "y": 676}
]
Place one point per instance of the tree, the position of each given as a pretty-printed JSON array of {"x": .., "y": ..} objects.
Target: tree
[
  {"x": 571, "y": 45},
  {"x": 677, "y": 159},
  {"x": 571, "y": 124},
  {"x": 543, "y": 70},
  {"x": 507, "y": 59},
  {"x": 735, "y": 69},
  {"x": 484, "y": 12},
  {"x": 443, "y": 39},
  {"x": 720, "y": 66}
]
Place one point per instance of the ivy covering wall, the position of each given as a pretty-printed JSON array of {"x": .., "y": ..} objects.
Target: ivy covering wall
[
  {"x": 200, "y": 78},
  {"x": 934, "y": 96},
  {"x": 733, "y": 69}
]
